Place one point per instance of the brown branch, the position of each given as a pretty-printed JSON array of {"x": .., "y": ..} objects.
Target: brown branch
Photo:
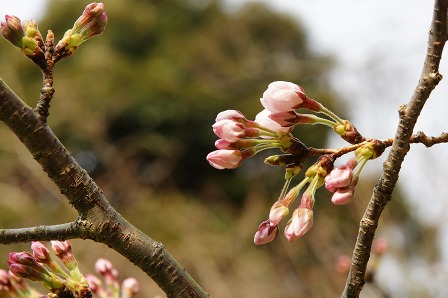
[
  {"x": 70, "y": 230},
  {"x": 409, "y": 113},
  {"x": 98, "y": 220}
]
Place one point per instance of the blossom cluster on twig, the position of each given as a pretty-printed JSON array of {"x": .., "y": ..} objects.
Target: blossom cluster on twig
[
  {"x": 60, "y": 281},
  {"x": 284, "y": 102}
]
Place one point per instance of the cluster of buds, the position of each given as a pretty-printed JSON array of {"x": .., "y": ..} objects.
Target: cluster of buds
[
  {"x": 240, "y": 138},
  {"x": 27, "y": 37},
  {"x": 92, "y": 22},
  {"x": 61, "y": 281},
  {"x": 110, "y": 286},
  {"x": 41, "y": 267}
]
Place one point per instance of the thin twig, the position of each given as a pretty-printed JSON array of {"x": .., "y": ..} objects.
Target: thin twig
[
  {"x": 382, "y": 192},
  {"x": 69, "y": 230}
]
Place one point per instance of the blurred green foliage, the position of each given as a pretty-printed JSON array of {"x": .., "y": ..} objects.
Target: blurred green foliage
[
  {"x": 162, "y": 71},
  {"x": 135, "y": 107}
]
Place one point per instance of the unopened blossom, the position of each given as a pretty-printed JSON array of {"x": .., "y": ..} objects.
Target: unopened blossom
[
  {"x": 223, "y": 144},
  {"x": 233, "y": 115},
  {"x": 6, "y": 286},
  {"x": 129, "y": 287},
  {"x": 339, "y": 177},
  {"x": 63, "y": 250},
  {"x": 300, "y": 223},
  {"x": 229, "y": 130},
  {"x": 277, "y": 212},
  {"x": 283, "y": 97},
  {"x": 265, "y": 233},
  {"x": 12, "y": 30},
  {"x": 92, "y": 22},
  {"x": 342, "y": 181},
  {"x": 343, "y": 264},
  {"x": 40, "y": 252},
  {"x": 95, "y": 285},
  {"x": 109, "y": 273},
  {"x": 380, "y": 246},
  {"x": 22, "y": 264},
  {"x": 225, "y": 159},
  {"x": 264, "y": 119},
  {"x": 343, "y": 196}
]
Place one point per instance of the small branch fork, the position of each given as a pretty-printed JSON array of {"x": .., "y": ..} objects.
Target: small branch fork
[
  {"x": 97, "y": 220},
  {"x": 47, "y": 91},
  {"x": 409, "y": 113}
]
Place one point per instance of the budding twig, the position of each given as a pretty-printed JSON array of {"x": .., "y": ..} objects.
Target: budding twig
[{"x": 408, "y": 117}]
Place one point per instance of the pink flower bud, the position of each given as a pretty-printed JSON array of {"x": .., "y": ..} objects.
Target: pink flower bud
[
  {"x": 338, "y": 177},
  {"x": 233, "y": 115},
  {"x": 343, "y": 264},
  {"x": 22, "y": 264},
  {"x": 300, "y": 223},
  {"x": 40, "y": 252},
  {"x": 380, "y": 246},
  {"x": 5, "y": 281},
  {"x": 129, "y": 287},
  {"x": 265, "y": 233},
  {"x": 223, "y": 144},
  {"x": 229, "y": 130},
  {"x": 263, "y": 119},
  {"x": 282, "y": 97},
  {"x": 284, "y": 119},
  {"x": 278, "y": 211},
  {"x": 94, "y": 284},
  {"x": 225, "y": 159},
  {"x": 12, "y": 30},
  {"x": 63, "y": 250},
  {"x": 92, "y": 22},
  {"x": 103, "y": 266},
  {"x": 343, "y": 196}
]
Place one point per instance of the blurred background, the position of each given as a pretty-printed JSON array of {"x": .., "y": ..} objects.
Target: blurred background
[{"x": 135, "y": 107}]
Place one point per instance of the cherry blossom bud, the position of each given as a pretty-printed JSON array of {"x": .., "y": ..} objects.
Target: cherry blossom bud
[
  {"x": 343, "y": 196},
  {"x": 380, "y": 246},
  {"x": 229, "y": 130},
  {"x": 12, "y": 30},
  {"x": 300, "y": 223},
  {"x": 278, "y": 211},
  {"x": 95, "y": 285},
  {"x": 343, "y": 264},
  {"x": 92, "y": 22},
  {"x": 283, "y": 97},
  {"x": 22, "y": 264},
  {"x": 129, "y": 288},
  {"x": 40, "y": 252},
  {"x": 265, "y": 233},
  {"x": 223, "y": 144},
  {"x": 63, "y": 250},
  {"x": 338, "y": 177},
  {"x": 105, "y": 269},
  {"x": 285, "y": 119},
  {"x": 6, "y": 286},
  {"x": 263, "y": 119},
  {"x": 233, "y": 115},
  {"x": 225, "y": 159}
]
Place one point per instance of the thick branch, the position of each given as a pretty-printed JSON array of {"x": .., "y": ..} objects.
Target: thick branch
[
  {"x": 98, "y": 220},
  {"x": 382, "y": 192}
]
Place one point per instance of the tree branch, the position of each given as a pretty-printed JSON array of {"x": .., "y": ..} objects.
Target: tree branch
[
  {"x": 98, "y": 220},
  {"x": 409, "y": 113},
  {"x": 69, "y": 230}
]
